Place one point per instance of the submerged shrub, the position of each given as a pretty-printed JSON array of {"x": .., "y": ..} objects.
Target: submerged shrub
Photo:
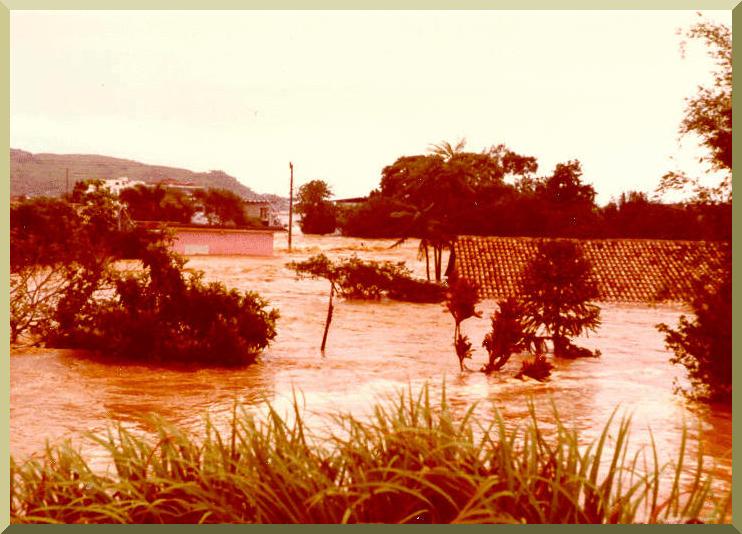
[
  {"x": 62, "y": 254},
  {"x": 355, "y": 278},
  {"x": 536, "y": 366},
  {"x": 509, "y": 334},
  {"x": 462, "y": 298},
  {"x": 703, "y": 344},
  {"x": 167, "y": 316},
  {"x": 414, "y": 461},
  {"x": 67, "y": 292}
]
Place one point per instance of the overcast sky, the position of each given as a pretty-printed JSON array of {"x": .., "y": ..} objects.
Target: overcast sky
[{"x": 342, "y": 94}]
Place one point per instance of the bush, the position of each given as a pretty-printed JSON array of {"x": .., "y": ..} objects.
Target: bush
[
  {"x": 509, "y": 334},
  {"x": 412, "y": 290},
  {"x": 537, "y": 367},
  {"x": 461, "y": 301},
  {"x": 61, "y": 254},
  {"x": 66, "y": 291},
  {"x": 375, "y": 218},
  {"x": 165, "y": 316},
  {"x": 354, "y": 278},
  {"x": 703, "y": 345}
]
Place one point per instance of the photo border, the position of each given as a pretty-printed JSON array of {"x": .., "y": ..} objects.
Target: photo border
[{"x": 9, "y": 5}]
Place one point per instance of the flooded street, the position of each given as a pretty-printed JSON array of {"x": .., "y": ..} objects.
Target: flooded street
[{"x": 373, "y": 349}]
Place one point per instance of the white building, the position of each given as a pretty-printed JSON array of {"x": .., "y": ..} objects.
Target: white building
[{"x": 117, "y": 185}]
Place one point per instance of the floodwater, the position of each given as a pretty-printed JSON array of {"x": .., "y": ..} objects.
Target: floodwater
[{"x": 374, "y": 349}]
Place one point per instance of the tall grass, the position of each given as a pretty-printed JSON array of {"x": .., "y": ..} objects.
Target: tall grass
[{"x": 413, "y": 461}]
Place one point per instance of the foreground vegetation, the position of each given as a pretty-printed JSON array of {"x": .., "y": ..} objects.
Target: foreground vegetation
[{"x": 412, "y": 462}]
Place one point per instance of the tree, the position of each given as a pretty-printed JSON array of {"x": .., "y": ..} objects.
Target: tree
[
  {"x": 461, "y": 301},
  {"x": 708, "y": 115},
  {"x": 703, "y": 344},
  {"x": 222, "y": 207},
  {"x": 556, "y": 293},
  {"x": 66, "y": 290},
  {"x": 566, "y": 204},
  {"x": 318, "y": 214},
  {"x": 156, "y": 203},
  {"x": 61, "y": 254},
  {"x": 44, "y": 254},
  {"x": 438, "y": 190}
]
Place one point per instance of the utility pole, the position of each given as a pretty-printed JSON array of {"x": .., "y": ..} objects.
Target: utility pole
[
  {"x": 67, "y": 181},
  {"x": 291, "y": 201}
]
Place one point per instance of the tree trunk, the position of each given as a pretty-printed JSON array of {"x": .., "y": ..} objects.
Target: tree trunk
[
  {"x": 437, "y": 253},
  {"x": 329, "y": 318},
  {"x": 427, "y": 262},
  {"x": 456, "y": 334}
]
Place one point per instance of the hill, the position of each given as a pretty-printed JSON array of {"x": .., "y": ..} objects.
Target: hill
[{"x": 45, "y": 175}]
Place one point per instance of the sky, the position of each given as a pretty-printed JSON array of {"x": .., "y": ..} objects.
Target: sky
[{"x": 343, "y": 94}]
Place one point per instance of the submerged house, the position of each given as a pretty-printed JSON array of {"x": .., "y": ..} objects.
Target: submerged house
[
  {"x": 263, "y": 211},
  {"x": 191, "y": 240},
  {"x": 625, "y": 270},
  {"x": 195, "y": 240}
]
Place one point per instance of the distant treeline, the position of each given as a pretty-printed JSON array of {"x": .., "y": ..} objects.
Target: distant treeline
[
  {"x": 633, "y": 215},
  {"x": 450, "y": 192}
]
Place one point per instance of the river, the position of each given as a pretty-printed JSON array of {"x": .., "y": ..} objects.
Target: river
[{"x": 374, "y": 349}]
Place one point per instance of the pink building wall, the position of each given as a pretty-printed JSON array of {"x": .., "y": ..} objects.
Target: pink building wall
[{"x": 222, "y": 241}]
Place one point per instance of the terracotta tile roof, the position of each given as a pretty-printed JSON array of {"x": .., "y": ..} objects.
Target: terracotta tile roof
[{"x": 626, "y": 270}]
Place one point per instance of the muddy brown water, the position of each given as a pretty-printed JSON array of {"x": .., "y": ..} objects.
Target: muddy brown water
[{"x": 374, "y": 349}]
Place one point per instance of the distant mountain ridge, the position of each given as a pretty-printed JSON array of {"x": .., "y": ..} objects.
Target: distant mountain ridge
[{"x": 45, "y": 175}]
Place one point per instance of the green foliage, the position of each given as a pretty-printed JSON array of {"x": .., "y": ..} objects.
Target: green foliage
[
  {"x": 708, "y": 117},
  {"x": 557, "y": 288},
  {"x": 510, "y": 333},
  {"x": 358, "y": 279},
  {"x": 44, "y": 231},
  {"x": 373, "y": 218},
  {"x": 163, "y": 315},
  {"x": 66, "y": 291},
  {"x": 81, "y": 189},
  {"x": 414, "y": 461},
  {"x": 435, "y": 191},
  {"x": 565, "y": 188},
  {"x": 221, "y": 207},
  {"x": 354, "y": 278},
  {"x": 449, "y": 192},
  {"x": 404, "y": 287},
  {"x": 318, "y": 214},
  {"x": 156, "y": 203},
  {"x": 537, "y": 367},
  {"x": 703, "y": 344},
  {"x": 463, "y": 348},
  {"x": 61, "y": 254},
  {"x": 462, "y": 298}
]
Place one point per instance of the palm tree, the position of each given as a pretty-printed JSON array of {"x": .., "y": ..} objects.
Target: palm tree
[
  {"x": 447, "y": 151},
  {"x": 431, "y": 230}
]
